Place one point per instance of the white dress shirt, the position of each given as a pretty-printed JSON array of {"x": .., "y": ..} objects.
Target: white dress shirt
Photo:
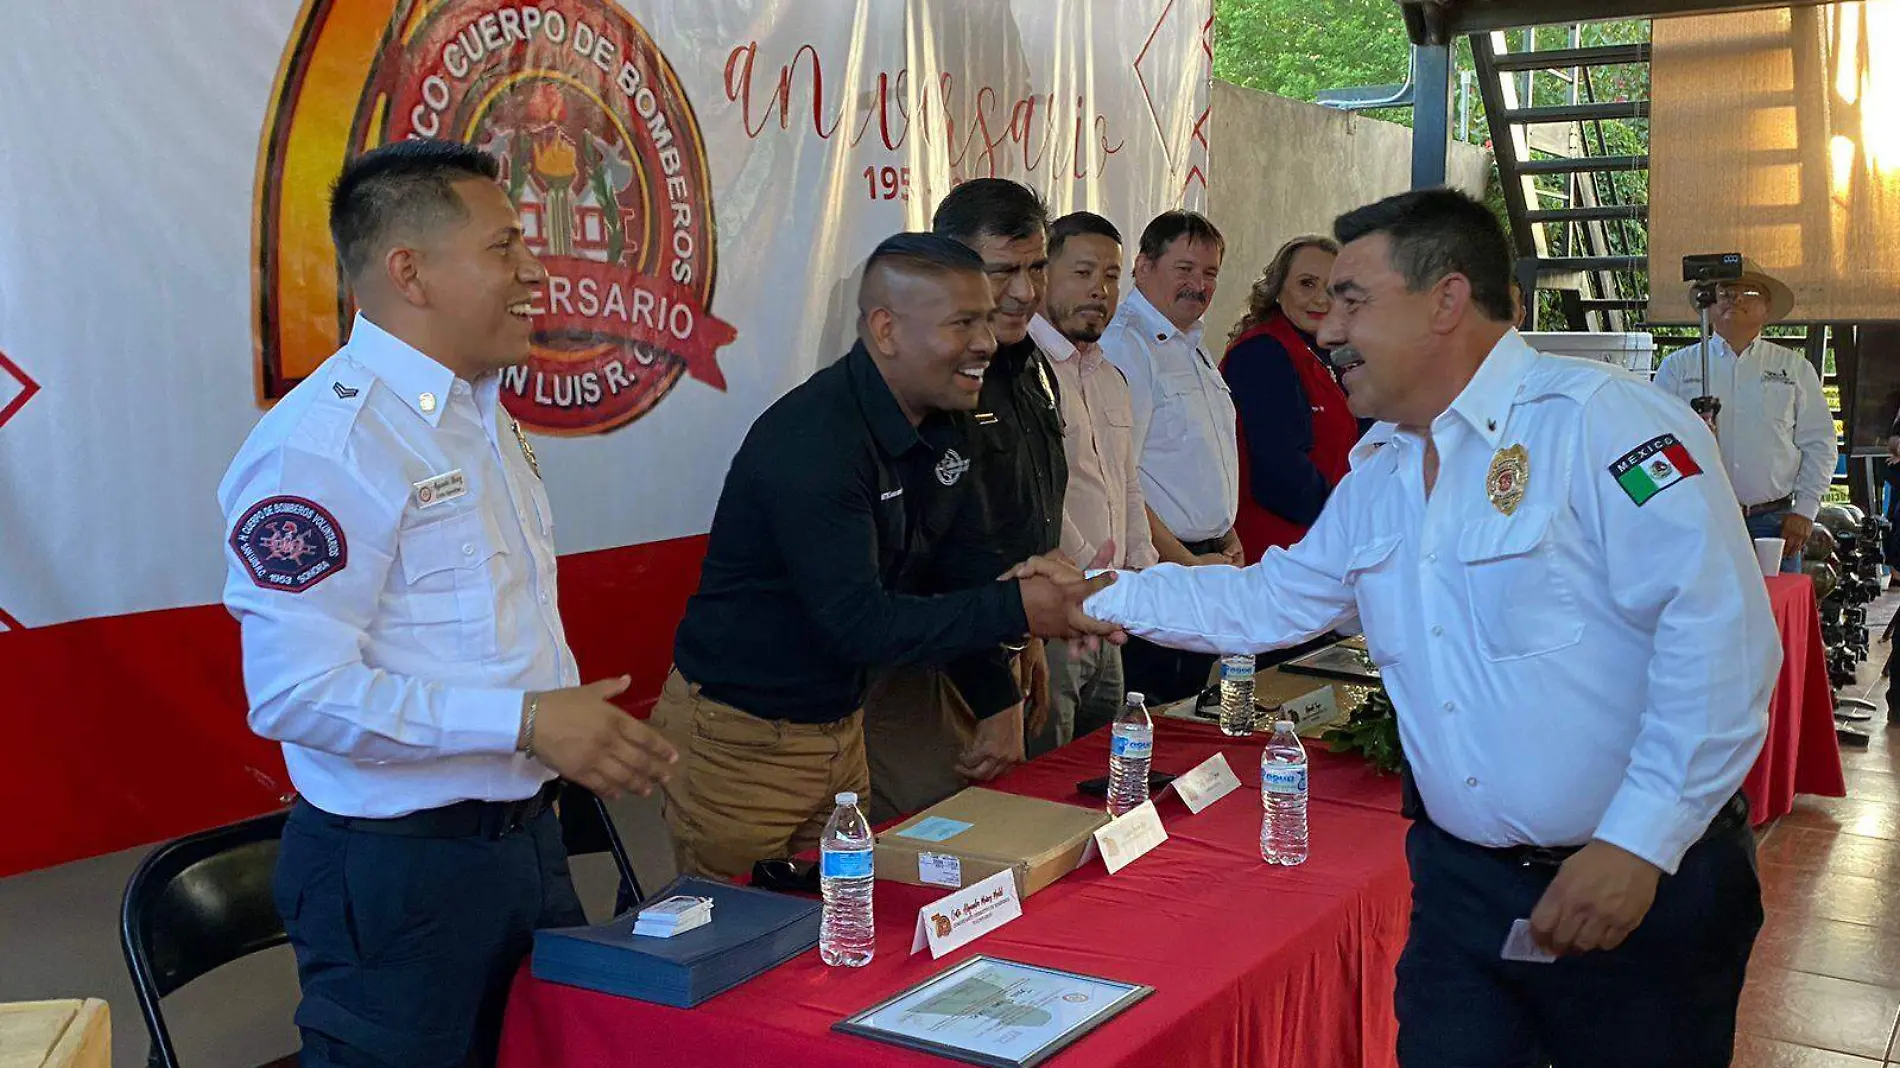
[
  {"x": 393, "y": 615},
  {"x": 1777, "y": 434},
  {"x": 1184, "y": 420},
  {"x": 1582, "y": 667}
]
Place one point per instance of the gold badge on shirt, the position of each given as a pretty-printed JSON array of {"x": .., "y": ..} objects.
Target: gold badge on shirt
[
  {"x": 1510, "y": 473},
  {"x": 527, "y": 450}
]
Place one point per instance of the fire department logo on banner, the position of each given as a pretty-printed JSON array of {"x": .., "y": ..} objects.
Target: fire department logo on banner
[{"x": 599, "y": 150}]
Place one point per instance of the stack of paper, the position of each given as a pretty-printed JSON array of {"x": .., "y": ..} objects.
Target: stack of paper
[
  {"x": 675, "y": 915},
  {"x": 756, "y": 931}
]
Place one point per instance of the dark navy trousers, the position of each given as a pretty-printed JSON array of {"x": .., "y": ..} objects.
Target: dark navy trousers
[
  {"x": 1665, "y": 998},
  {"x": 406, "y": 946}
]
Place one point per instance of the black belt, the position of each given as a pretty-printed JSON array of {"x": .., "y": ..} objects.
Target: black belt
[
  {"x": 1752, "y": 510},
  {"x": 1732, "y": 815},
  {"x": 463, "y": 819}
]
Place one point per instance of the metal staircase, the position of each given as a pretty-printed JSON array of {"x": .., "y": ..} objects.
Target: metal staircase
[{"x": 1577, "y": 230}]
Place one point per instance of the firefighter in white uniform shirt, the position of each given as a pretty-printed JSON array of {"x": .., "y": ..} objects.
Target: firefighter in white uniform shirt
[
  {"x": 1576, "y": 638},
  {"x": 390, "y": 558},
  {"x": 1775, "y": 429}
]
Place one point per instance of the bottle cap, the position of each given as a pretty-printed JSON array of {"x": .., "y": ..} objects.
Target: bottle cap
[
  {"x": 1287, "y": 723},
  {"x": 847, "y": 798},
  {"x": 1136, "y": 698}
]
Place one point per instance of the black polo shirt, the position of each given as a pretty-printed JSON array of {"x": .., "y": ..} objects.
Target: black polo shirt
[
  {"x": 1019, "y": 474},
  {"x": 829, "y": 511}
]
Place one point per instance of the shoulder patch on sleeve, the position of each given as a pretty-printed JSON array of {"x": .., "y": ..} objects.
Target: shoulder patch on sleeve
[
  {"x": 289, "y": 544},
  {"x": 1652, "y": 467}
]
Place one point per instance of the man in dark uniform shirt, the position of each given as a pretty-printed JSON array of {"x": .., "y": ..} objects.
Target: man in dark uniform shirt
[
  {"x": 929, "y": 730},
  {"x": 833, "y": 502}
]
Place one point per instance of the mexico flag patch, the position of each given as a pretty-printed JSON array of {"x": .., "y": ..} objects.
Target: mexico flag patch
[{"x": 1652, "y": 467}]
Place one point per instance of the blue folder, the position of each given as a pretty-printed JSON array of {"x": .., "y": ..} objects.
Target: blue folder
[{"x": 752, "y": 932}]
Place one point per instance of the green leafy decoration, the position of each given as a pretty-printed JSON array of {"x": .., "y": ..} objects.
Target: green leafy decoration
[{"x": 1372, "y": 730}]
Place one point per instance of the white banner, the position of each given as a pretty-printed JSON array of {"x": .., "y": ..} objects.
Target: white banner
[{"x": 703, "y": 181}]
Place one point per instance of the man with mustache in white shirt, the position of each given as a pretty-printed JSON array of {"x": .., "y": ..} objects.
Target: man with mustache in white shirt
[{"x": 1185, "y": 429}]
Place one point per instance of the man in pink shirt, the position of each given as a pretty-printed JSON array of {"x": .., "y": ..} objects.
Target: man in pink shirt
[{"x": 1103, "y": 503}]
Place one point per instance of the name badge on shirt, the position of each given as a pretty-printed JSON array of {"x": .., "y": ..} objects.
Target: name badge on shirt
[{"x": 433, "y": 491}]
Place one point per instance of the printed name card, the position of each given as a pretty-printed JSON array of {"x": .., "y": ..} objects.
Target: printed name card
[
  {"x": 1210, "y": 781},
  {"x": 1128, "y": 837},
  {"x": 1312, "y": 712},
  {"x": 958, "y": 919}
]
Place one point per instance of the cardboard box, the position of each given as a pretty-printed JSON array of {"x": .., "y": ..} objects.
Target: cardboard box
[{"x": 972, "y": 836}]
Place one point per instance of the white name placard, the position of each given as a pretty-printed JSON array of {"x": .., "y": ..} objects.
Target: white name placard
[{"x": 958, "y": 919}]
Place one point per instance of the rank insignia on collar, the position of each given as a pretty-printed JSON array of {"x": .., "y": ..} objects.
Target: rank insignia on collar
[
  {"x": 1510, "y": 473},
  {"x": 527, "y": 450}
]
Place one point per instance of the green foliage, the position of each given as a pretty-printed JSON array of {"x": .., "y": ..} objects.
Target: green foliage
[
  {"x": 1372, "y": 731},
  {"x": 1297, "y": 48}
]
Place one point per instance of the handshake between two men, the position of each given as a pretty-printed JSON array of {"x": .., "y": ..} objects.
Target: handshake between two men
[
  {"x": 583, "y": 736},
  {"x": 1053, "y": 590}
]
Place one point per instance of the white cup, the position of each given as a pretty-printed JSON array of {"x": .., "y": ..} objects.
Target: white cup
[{"x": 1768, "y": 555}]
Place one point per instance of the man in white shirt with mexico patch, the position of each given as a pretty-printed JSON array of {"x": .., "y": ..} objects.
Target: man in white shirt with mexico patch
[
  {"x": 1544, "y": 556},
  {"x": 1775, "y": 429}
]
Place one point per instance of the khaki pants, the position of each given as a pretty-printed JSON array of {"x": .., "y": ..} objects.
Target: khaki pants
[
  {"x": 916, "y": 726},
  {"x": 748, "y": 789},
  {"x": 1085, "y": 693}
]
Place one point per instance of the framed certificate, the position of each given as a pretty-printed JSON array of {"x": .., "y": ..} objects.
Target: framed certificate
[
  {"x": 1346, "y": 661},
  {"x": 995, "y": 1012}
]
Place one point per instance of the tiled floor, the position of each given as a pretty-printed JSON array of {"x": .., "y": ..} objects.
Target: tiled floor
[{"x": 1824, "y": 983}]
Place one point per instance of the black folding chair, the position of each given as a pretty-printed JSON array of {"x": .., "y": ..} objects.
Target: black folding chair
[
  {"x": 204, "y": 901},
  {"x": 195, "y": 905},
  {"x": 587, "y": 827}
]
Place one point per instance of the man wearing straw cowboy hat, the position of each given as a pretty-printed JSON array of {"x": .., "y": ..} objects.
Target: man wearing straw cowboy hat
[{"x": 1774, "y": 426}]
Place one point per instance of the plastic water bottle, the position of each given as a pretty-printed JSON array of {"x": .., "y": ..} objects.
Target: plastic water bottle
[
  {"x": 1283, "y": 797},
  {"x": 845, "y": 933},
  {"x": 1236, "y": 695},
  {"x": 1130, "y": 751}
]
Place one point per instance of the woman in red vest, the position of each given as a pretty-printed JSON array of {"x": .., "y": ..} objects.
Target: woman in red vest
[{"x": 1295, "y": 428}]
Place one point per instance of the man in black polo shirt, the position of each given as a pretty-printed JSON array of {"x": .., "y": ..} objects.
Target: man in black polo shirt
[
  {"x": 830, "y": 509},
  {"x": 931, "y": 729}
]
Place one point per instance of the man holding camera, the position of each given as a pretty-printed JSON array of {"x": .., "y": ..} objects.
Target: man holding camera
[{"x": 1774, "y": 426}]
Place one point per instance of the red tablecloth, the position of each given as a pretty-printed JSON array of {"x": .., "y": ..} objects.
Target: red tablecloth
[
  {"x": 1251, "y": 964},
  {"x": 1802, "y": 754}
]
